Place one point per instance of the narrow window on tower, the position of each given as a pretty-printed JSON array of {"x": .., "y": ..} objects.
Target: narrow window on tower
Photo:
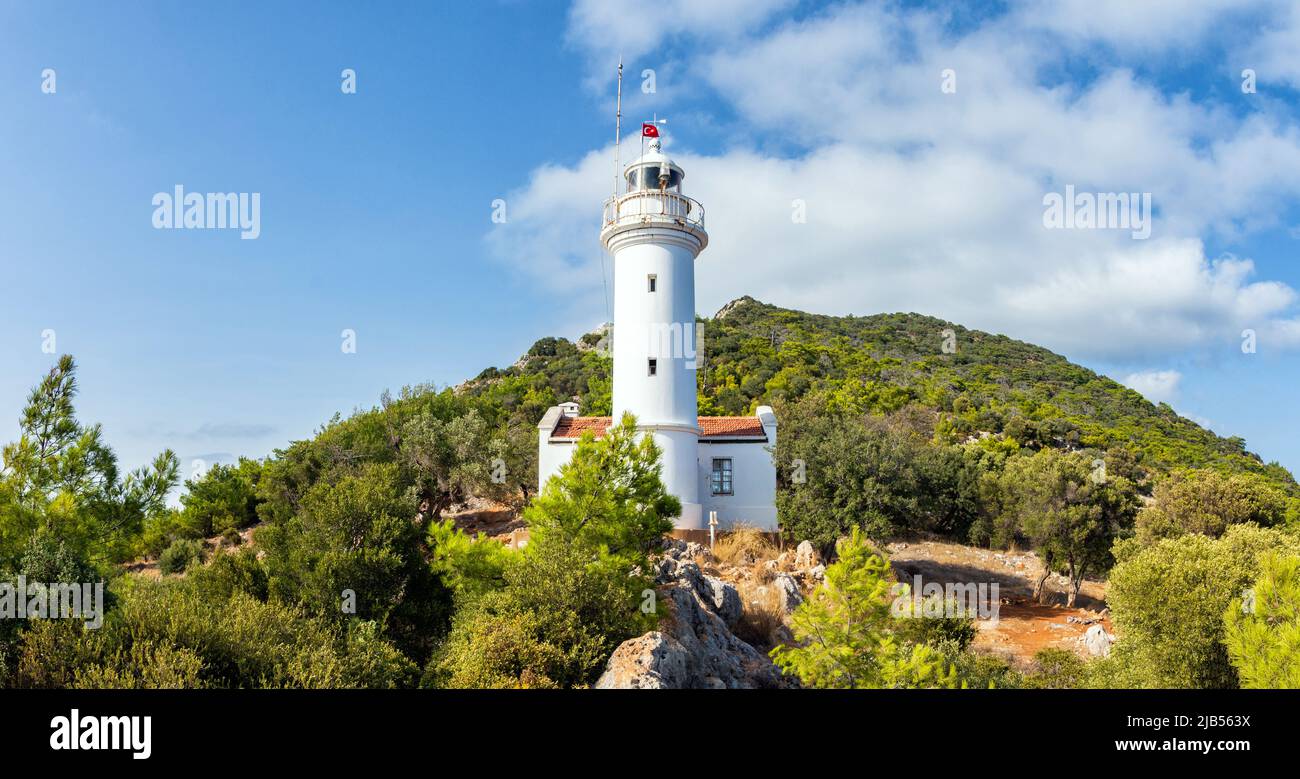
[
  {"x": 720, "y": 479},
  {"x": 651, "y": 282},
  {"x": 654, "y": 366}
]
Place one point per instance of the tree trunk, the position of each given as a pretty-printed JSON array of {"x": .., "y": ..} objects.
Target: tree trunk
[
  {"x": 1038, "y": 587},
  {"x": 1076, "y": 583}
]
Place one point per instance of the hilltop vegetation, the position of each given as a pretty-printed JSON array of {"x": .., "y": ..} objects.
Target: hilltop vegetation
[
  {"x": 889, "y": 425},
  {"x": 1029, "y": 397}
]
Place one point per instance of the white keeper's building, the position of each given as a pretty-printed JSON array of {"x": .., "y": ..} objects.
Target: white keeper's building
[{"x": 712, "y": 464}]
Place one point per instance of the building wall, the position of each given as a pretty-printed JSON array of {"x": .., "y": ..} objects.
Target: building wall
[
  {"x": 659, "y": 325},
  {"x": 753, "y": 501},
  {"x": 550, "y": 456}
]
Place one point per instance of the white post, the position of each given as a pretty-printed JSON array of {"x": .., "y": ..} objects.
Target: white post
[{"x": 713, "y": 524}]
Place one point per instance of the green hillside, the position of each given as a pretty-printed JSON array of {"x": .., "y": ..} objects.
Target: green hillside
[
  {"x": 1025, "y": 395},
  {"x": 357, "y": 574}
]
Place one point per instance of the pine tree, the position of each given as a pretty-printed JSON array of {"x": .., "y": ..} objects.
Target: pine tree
[
  {"x": 1263, "y": 628},
  {"x": 60, "y": 478},
  {"x": 844, "y": 635}
]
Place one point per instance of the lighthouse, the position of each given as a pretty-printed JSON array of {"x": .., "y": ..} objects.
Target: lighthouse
[
  {"x": 654, "y": 233},
  {"x": 719, "y": 466}
]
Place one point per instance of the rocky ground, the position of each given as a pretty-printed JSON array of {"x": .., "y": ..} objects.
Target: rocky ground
[
  {"x": 1023, "y": 626},
  {"x": 697, "y": 645},
  {"x": 724, "y": 612}
]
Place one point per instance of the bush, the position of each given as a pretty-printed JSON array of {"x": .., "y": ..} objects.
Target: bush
[
  {"x": 224, "y": 498},
  {"x": 180, "y": 555},
  {"x": 172, "y": 633},
  {"x": 359, "y": 534},
  {"x": 870, "y": 472},
  {"x": 744, "y": 545},
  {"x": 917, "y": 628},
  {"x": 1209, "y": 502},
  {"x": 1057, "y": 669},
  {"x": 1168, "y": 603},
  {"x": 231, "y": 572}
]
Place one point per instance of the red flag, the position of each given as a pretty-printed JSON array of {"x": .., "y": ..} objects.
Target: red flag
[{"x": 649, "y": 130}]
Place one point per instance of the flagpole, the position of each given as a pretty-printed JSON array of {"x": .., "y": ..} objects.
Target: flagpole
[{"x": 618, "y": 122}]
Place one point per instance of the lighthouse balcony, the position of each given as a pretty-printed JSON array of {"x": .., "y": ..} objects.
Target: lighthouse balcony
[{"x": 650, "y": 208}]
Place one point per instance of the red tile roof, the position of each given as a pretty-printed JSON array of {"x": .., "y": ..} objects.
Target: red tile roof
[{"x": 711, "y": 427}]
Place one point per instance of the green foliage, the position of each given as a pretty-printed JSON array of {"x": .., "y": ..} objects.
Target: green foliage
[
  {"x": 1208, "y": 502},
  {"x": 1168, "y": 602},
  {"x": 981, "y": 670},
  {"x": 1262, "y": 630},
  {"x": 359, "y": 536},
  {"x": 171, "y": 633},
  {"x": 915, "y": 622},
  {"x": 230, "y": 572},
  {"x": 1069, "y": 510},
  {"x": 60, "y": 477},
  {"x": 1017, "y": 392},
  {"x": 471, "y": 567},
  {"x": 608, "y": 496},
  {"x": 882, "y": 475},
  {"x": 574, "y": 592},
  {"x": 180, "y": 555},
  {"x": 1057, "y": 669},
  {"x": 224, "y": 498},
  {"x": 845, "y": 636}
]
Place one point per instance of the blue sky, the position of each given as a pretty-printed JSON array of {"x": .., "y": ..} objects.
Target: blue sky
[{"x": 376, "y": 206}]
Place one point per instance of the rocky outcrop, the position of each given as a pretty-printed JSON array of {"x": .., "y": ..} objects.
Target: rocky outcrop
[
  {"x": 788, "y": 591},
  {"x": 1098, "y": 641},
  {"x": 805, "y": 556},
  {"x": 695, "y": 647},
  {"x": 655, "y": 661}
]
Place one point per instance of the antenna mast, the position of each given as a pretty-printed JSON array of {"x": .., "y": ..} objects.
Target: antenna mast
[{"x": 618, "y": 126}]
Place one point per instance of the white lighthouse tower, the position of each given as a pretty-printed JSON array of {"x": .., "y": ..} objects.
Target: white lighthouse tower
[
  {"x": 654, "y": 233},
  {"x": 719, "y": 466}
]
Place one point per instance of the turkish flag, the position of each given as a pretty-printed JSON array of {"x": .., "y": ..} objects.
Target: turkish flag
[{"x": 649, "y": 130}]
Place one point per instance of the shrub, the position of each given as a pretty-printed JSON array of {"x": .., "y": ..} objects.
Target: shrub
[
  {"x": 231, "y": 572},
  {"x": 224, "y": 498},
  {"x": 180, "y": 555},
  {"x": 359, "y": 534},
  {"x": 1263, "y": 629},
  {"x": 1057, "y": 669},
  {"x": 914, "y": 628},
  {"x": 871, "y": 473},
  {"x": 1209, "y": 502},
  {"x": 1168, "y": 603},
  {"x": 743, "y": 545},
  {"x": 981, "y": 670},
  {"x": 762, "y": 617},
  {"x": 172, "y": 633}
]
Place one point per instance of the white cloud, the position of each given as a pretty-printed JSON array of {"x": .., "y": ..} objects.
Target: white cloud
[
  {"x": 1156, "y": 386},
  {"x": 923, "y": 201},
  {"x": 1272, "y": 52},
  {"x": 1147, "y": 24},
  {"x": 607, "y": 29}
]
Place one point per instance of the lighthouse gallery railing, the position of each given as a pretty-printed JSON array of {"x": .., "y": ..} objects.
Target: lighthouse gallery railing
[{"x": 648, "y": 206}]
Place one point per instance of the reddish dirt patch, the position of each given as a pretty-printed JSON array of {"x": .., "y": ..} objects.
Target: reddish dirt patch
[{"x": 1023, "y": 626}]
